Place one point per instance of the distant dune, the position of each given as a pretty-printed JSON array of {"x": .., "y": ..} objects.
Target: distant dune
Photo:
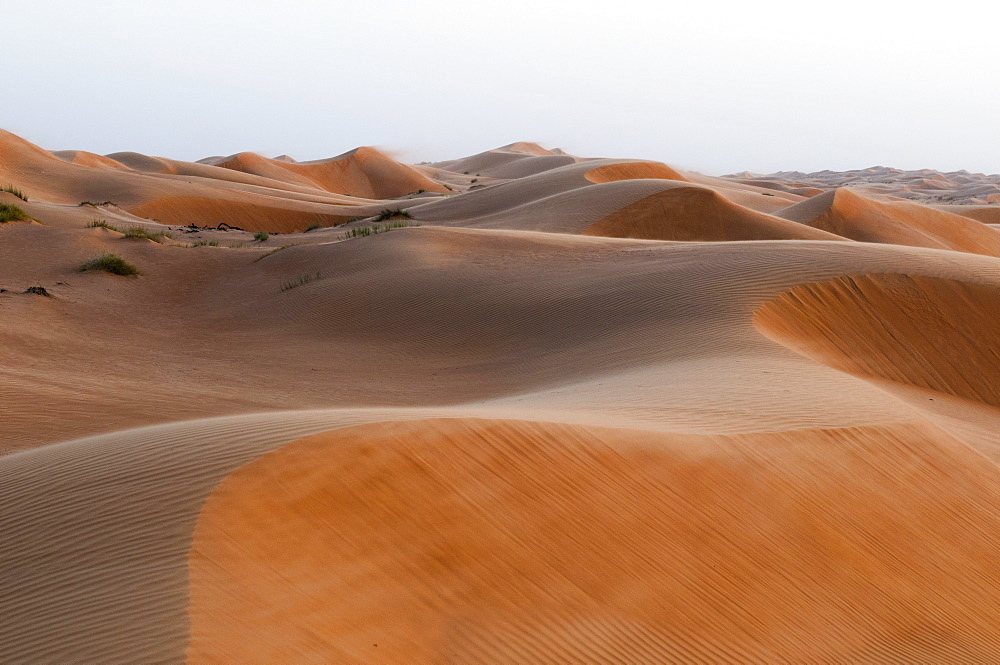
[
  {"x": 925, "y": 185},
  {"x": 516, "y": 407}
]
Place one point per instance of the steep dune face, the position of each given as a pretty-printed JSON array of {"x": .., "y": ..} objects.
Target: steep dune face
[
  {"x": 505, "y": 541},
  {"x": 363, "y": 172},
  {"x": 698, "y": 213},
  {"x": 931, "y": 333},
  {"x": 852, "y": 216}
]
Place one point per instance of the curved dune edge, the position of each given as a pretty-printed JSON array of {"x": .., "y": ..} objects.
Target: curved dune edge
[
  {"x": 928, "y": 332},
  {"x": 463, "y": 540},
  {"x": 632, "y": 171},
  {"x": 698, "y": 214}
]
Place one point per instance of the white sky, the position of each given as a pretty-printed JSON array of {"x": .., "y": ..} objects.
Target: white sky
[{"x": 711, "y": 86}]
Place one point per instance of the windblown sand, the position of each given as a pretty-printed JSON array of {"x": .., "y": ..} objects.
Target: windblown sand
[{"x": 568, "y": 410}]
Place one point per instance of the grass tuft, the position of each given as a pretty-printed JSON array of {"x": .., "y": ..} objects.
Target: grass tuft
[
  {"x": 390, "y": 214},
  {"x": 375, "y": 229},
  {"x": 11, "y": 189},
  {"x": 139, "y": 233},
  {"x": 111, "y": 263},
  {"x": 313, "y": 227},
  {"x": 134, "y": 232},
  {"x": 205, "y": 243},
  {"x": 302, "y": 279},
  {"x": 12, "y": 213},
  {"x": 260, "y": 236},
  {"x": 103, "y": 224},
  {"x": 274, "y": 251}
]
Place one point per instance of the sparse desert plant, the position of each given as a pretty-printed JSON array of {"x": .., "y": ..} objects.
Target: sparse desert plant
[
  {"x": 103, "y": 224},
  {"x": 134, "y": 232},
  {"x": 11, "y": 189},
  {"x": 302, "y": 279},
  {"x": 449, "y": 188},
  {"x": 109, "y": 262},
  {"x": 474, "y": 181},
  {"x": 389, "y": 214},
  {"x": 94, "y": 205},
  {"x": 140, "y": 233},
  {"x": 313, "y": 227},
  {"x": 12, "y": 213},
  {"x": 375, "y": 229},
  {"x": 274, "y": 251},
  {"x": 260, "y": 236},
  {"x": 205, "y": 243}
]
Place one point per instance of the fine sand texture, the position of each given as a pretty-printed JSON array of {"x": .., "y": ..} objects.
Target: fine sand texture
[{"x": 517, "y": 407}]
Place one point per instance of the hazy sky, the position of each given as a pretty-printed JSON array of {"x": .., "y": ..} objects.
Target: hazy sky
[{"x": 711, "y": 86}]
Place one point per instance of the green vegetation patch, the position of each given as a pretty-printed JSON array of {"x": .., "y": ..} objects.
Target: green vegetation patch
[
  {"x": 12, "y": 213},
  {"x": 111, "y": 263},
  {"x": 11, "y": 189}
]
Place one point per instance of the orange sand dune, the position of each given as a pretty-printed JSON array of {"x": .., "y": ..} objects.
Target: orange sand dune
[
  {"x": 922, "y": 331},
  {"x": 698, "y": 213},
  {"x": 633, "y": 171},
  {"x": 503, "y": 541},
  {"x": 500, "y": 437},
  {"x": 847, "y": 214},
  {"x": 362, "y": 172}
]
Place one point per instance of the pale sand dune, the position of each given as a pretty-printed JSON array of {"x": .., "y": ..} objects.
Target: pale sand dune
[
  {"x": 924, "y": 185},
  {"x": 544, "y": 310},
  {"x": 744, "y": 440},
  {"x": 698, "y": 213},
  {"x": 516, "y": 160},
  {"x": 84, "y": 158}
]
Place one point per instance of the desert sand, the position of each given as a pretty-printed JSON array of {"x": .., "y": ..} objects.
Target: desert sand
[{"x": 555, "y": 410}]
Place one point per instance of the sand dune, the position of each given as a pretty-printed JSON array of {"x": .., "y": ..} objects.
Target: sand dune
[
  {"x": 363, "y": 172},
  {"x": 924, "y": 185},
  {"x": 591, "y": 410},
  {"x": 516, "y": 160},
  {"x": 697, "y": 213},
  {"x": 852, "y": 216}
]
